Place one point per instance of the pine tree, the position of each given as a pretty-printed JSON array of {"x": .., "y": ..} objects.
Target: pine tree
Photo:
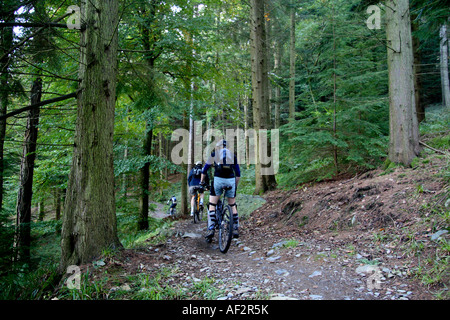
[
  {"x": 89, "y": 224},
  {"x": 404, "y": 131}
]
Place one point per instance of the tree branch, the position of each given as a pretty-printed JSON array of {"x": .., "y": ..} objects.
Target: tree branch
[
  {"x": 32, "y": 25},
  {"x": 431, "y": 148},
  {"x": 37, "y": 105},
  {"x": 21, "y": 43}
]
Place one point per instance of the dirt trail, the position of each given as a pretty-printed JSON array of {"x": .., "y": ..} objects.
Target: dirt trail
[
  {"x": 262, "y": 266},
  {"x": 316, "y": 243}
]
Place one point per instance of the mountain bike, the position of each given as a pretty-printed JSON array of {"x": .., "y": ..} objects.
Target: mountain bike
[
  {"x": 198, "y": 209},
  {"x": 224, "y": 216}
]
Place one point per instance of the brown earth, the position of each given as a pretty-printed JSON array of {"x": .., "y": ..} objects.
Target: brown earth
[{"x": 347, "y": 239}]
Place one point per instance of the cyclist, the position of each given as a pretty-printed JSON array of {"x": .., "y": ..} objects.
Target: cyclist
[
  {"x": 226, "y": 173},
  {"x": 193, "y": 182},
  {"x": 174, "y": 204}
]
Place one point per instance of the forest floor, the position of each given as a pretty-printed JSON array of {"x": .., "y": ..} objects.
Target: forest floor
[{"x": 366, "y": 237}]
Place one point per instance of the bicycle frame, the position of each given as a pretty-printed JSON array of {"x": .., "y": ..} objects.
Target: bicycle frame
[
  {"x": 198, "y": 214},
  {"x": 224, "y": 224}
]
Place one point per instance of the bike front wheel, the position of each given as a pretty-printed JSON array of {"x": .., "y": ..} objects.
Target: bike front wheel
[{"x": 225, "y": 229}]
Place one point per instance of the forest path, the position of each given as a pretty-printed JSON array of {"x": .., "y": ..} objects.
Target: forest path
[
  {"x": 161, "y": 211},
  {"x": 260, "y": 265},
  {"x": 354, "y": 238}
]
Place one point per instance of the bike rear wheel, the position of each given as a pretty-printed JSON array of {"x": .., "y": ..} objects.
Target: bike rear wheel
[
  {"x": 196, "y": 210},
  {"x": 200, "y": 214},
  {"x": 225, "y": 229},
  {"x": 196, "y": 217}
]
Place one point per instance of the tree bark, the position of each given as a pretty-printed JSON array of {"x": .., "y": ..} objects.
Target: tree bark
[
  {"x": 404, "y": 131},
  {"x": 335, "y": 149},
  {"x": 41, "y": 210},
  {"x": 149, "y": 43},
  {"x": 89, "y": 221},
  {"x": 145, "y": 180},
  {"x": 420, "y": 108},
  {"x": 444, "y": 66},
  {"x": 184, "y": 183},
  {"x": 292, "y": 67},
  {"x": 25, "y": 194},
  {"x": 57, "y": 202},
  {"x": 260, "y": 85},
  {"x": 277, "y": 67},
  {"x": 257, "y": 37},
  {"x": 6, "y": 42}
]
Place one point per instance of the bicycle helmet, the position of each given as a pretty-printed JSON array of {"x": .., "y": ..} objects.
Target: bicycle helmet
[{"x": 221, "y": 143}]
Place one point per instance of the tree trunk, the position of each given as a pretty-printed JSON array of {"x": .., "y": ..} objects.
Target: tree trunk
[
  {"x": 444, "y": 66},
  {"x": 41, "y": 210},
  {"x": 152, "y": 55},
  {"x": 292, "y": 68},
  {"x": 420, "y": 108},
  {"x": 89, "y": 221},
  {"x": 404, "y": 132},
  {"x": 257, "y": 38},
  {"x": 184, "y": 183},
  {"x": 125, "y": 157},
  {"x": 246, "y": 139},
  {"x": 57, "y": 203},
  {"x": 335, "y": 149},
  {"x": 277, "y": 67},
  {"x": 191, "y": 155},
  {"x": 25, "y": 194},
  {"x": 269, "y": 65},
  {"x": 145, "y": 180},
  {"x": 260, "y": 85},
  {"x": 6, "y": 42}
]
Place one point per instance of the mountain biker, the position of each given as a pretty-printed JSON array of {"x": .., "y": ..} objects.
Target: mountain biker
[
  {"x": 193, "y": 182},
  {"x": 174, "y": 203},
  {"x": 226, "y": 173}
]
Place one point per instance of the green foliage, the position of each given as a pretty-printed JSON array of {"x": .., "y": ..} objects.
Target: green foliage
[
  {"x": 37, "y": 280},
  {"x": 154, "y": 288},
  {"x": 178, "y": 59},
  {"x": 291, "y": 243},
  {"x": 355, "y": 104},
  {"x": 6, "y": 245},
  {"x": 90, "y": 289},
  {"x": 435, "y": 128},
  {"x": 29, "y": 283}
]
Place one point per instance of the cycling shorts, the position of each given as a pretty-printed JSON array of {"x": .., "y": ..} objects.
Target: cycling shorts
[
  {"x": 218, "y": 187},
  {"x": 192, "y": 192}
]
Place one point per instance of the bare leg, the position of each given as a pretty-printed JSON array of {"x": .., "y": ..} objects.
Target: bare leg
[
  {"x": 233, "y": 201},
  {"x": 192, "y": 204},
  {"x": 213, "y": 199}
]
